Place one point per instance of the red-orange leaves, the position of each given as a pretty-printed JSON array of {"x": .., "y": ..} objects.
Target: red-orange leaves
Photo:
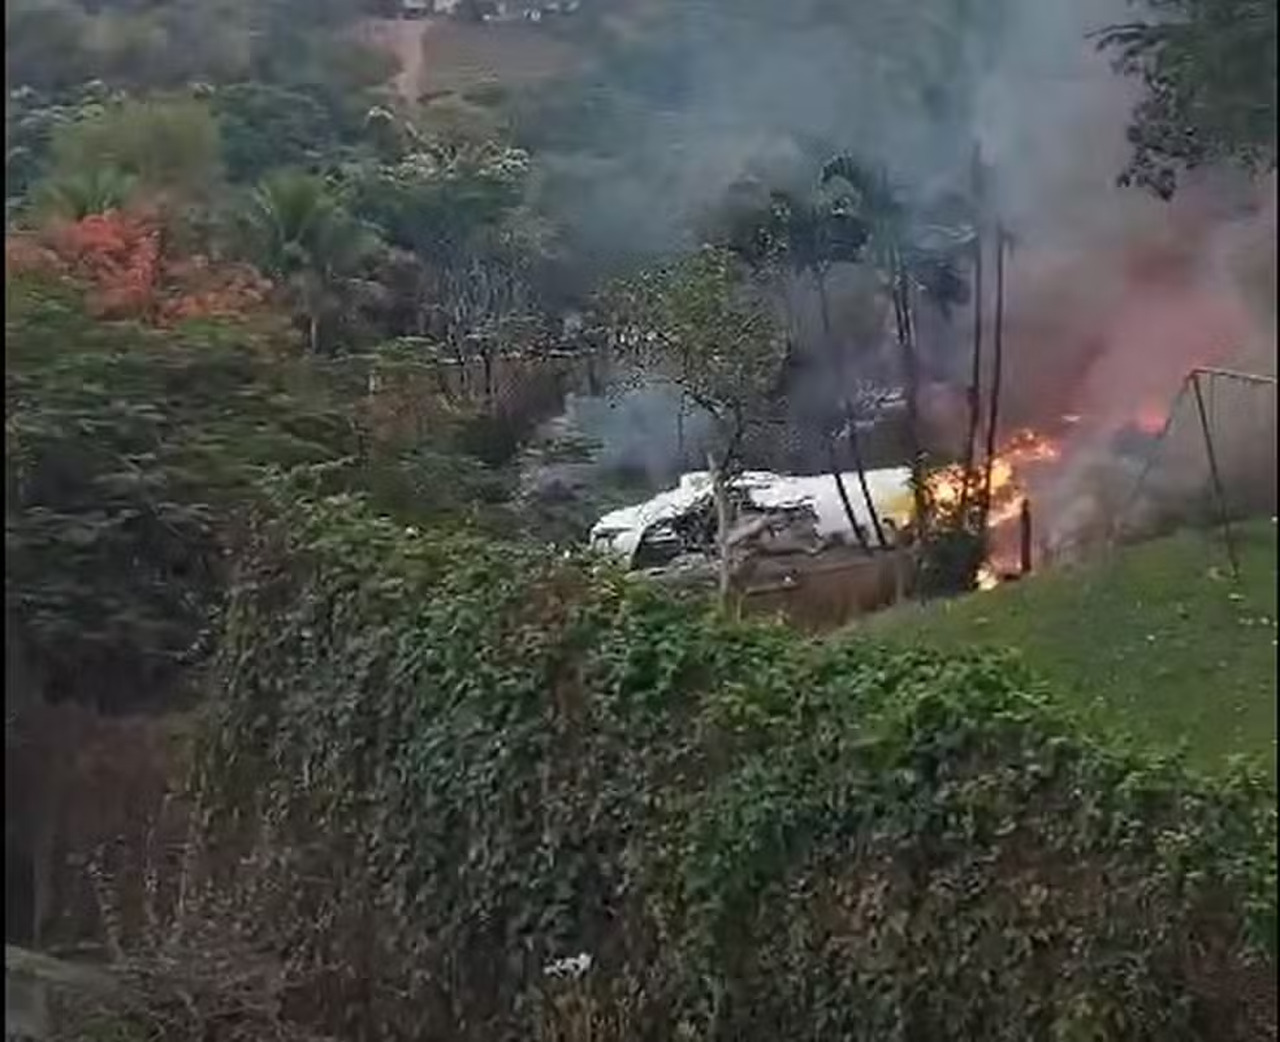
[{"x": 122, "y": 261}]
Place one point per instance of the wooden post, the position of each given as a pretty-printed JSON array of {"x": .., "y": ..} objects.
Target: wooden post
[{"x": 1024, "y": 532}]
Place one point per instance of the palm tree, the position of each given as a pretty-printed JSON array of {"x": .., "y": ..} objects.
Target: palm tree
[
  {"x": 915, "y": 256},
  {"x": 303, "y": 238},
  {"x": 1003, "y": 243},
  {"x": 816, "y": 237},
  {"x": 806, "y": 238},
  {"x": 96, "y": 190},
  {"x": 974, "y": 390}
]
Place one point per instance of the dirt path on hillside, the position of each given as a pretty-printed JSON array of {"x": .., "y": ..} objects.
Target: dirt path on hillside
[
  {"x": 403, "y": 39},
  {"x": 440, "y": 55}
]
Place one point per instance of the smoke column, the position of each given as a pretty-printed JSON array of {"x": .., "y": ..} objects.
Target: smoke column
[{"x": 1112, "y": 295}]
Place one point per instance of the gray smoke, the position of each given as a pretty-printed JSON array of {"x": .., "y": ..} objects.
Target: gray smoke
[
  {"x": 649, "y": 431},
  {"x": 1112, "y": 295}
]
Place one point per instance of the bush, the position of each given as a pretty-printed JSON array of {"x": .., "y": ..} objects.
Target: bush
[
  {"x": 443, "y": 768},
  {"x": 123, "y": 466},
  {"x": 131, "y": 454}
]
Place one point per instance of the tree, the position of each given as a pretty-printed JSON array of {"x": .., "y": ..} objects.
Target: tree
[
  {"x": 124, "y": 460},
  {"x": 705, "y": 324},
  {"x": 460, "y": 213},
  {"x": 973, "y": 395},
  {"x": 32, "y": 118},
  {"x": 96, "y": 190},
  {"x": 784, "y": 236},
  {"x": 915, "y": 257},
  {"x": 265, "y": 127},
  {"x": 170, "y": 147},
  {"x": 1003, "y": 242},
  {"x": 1208, "y": 68},
  {"x": 131, "y": 453},
  {"x": 301, "y": 237},
  {"x": 119, "y": 259}
]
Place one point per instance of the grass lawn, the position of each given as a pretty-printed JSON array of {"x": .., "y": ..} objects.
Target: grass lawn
[{"x": 1156, "y": 640}]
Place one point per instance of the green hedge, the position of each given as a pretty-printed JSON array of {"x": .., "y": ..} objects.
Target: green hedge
[{"x": 440, "y": 764}]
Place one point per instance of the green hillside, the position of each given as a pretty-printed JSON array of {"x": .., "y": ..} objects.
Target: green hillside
[{"x": 1156, "y": 640}]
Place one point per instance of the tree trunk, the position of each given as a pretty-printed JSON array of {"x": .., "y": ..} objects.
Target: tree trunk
[
  {"x": 911, "y": 374},
  {"x": 824, "y": 307},
  {"x": 858, "y": 532},
  {"x": 486, "y": 361},
  {"x": 1024, "y": 538},
  {"x": 975, "y": 380},
  {"x": 997, "y": 374},
  {"x": 720, "y": 492},
  {"x": 860, "y": 468},
  {"x": 313, "y": 334}
]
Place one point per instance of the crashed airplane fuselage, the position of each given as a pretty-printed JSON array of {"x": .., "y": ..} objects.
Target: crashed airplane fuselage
[{"x": 799, "y": 513}]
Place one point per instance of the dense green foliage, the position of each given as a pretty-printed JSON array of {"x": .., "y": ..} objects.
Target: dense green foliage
[
  {"x": 443, "y": 764},
  {"x": 120, "y": 455},
  {"x": 166, "y": 147},
  {"x": 1208, "y": 69},
  {"x": 707, "y": 325},
  {"x": 130, "y": 454}
]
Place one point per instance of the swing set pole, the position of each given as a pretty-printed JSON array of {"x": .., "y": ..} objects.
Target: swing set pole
[{"x": 1219, "y": 492}]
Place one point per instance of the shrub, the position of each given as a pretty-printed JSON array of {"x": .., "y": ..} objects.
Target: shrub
[
  {"x": 130, "y": 455},
  {"x": 443, "y": 766}
]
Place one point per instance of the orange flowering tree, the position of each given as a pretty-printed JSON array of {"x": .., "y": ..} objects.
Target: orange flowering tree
[{"x": 120, "y": 259}]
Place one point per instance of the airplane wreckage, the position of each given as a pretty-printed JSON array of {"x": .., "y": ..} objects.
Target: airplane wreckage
[{"x": 774, "y": 515}]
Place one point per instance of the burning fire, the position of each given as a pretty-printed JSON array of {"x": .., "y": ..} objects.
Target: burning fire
[
  {"x": 1025, "y": 448},
  {"x": 1014, "y": 467},
  {"x": 988, "y": 578},
  {"x": 1023, "y": 451}
]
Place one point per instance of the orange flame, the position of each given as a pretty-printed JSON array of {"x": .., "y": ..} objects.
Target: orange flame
[
  {"x": 1014, "y": 464},
  {"x": 1024, "y": 450}
]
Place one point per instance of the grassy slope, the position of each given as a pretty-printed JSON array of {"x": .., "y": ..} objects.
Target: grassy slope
[{"x": 1156, "y": 641}]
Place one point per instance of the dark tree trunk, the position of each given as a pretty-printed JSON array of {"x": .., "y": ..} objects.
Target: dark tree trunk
[
  {"x": 824, "y": 306},
  {"x": 858, "y": 531},
  {"x": 1024, "y": 538},
  {"x": 486, "y": 361},
  {"x": 975, "y": 378},
  {"x": 911, "y": 373},
  {"x": 860, "y": 468},
  {"x": 997, "y": 374}
]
